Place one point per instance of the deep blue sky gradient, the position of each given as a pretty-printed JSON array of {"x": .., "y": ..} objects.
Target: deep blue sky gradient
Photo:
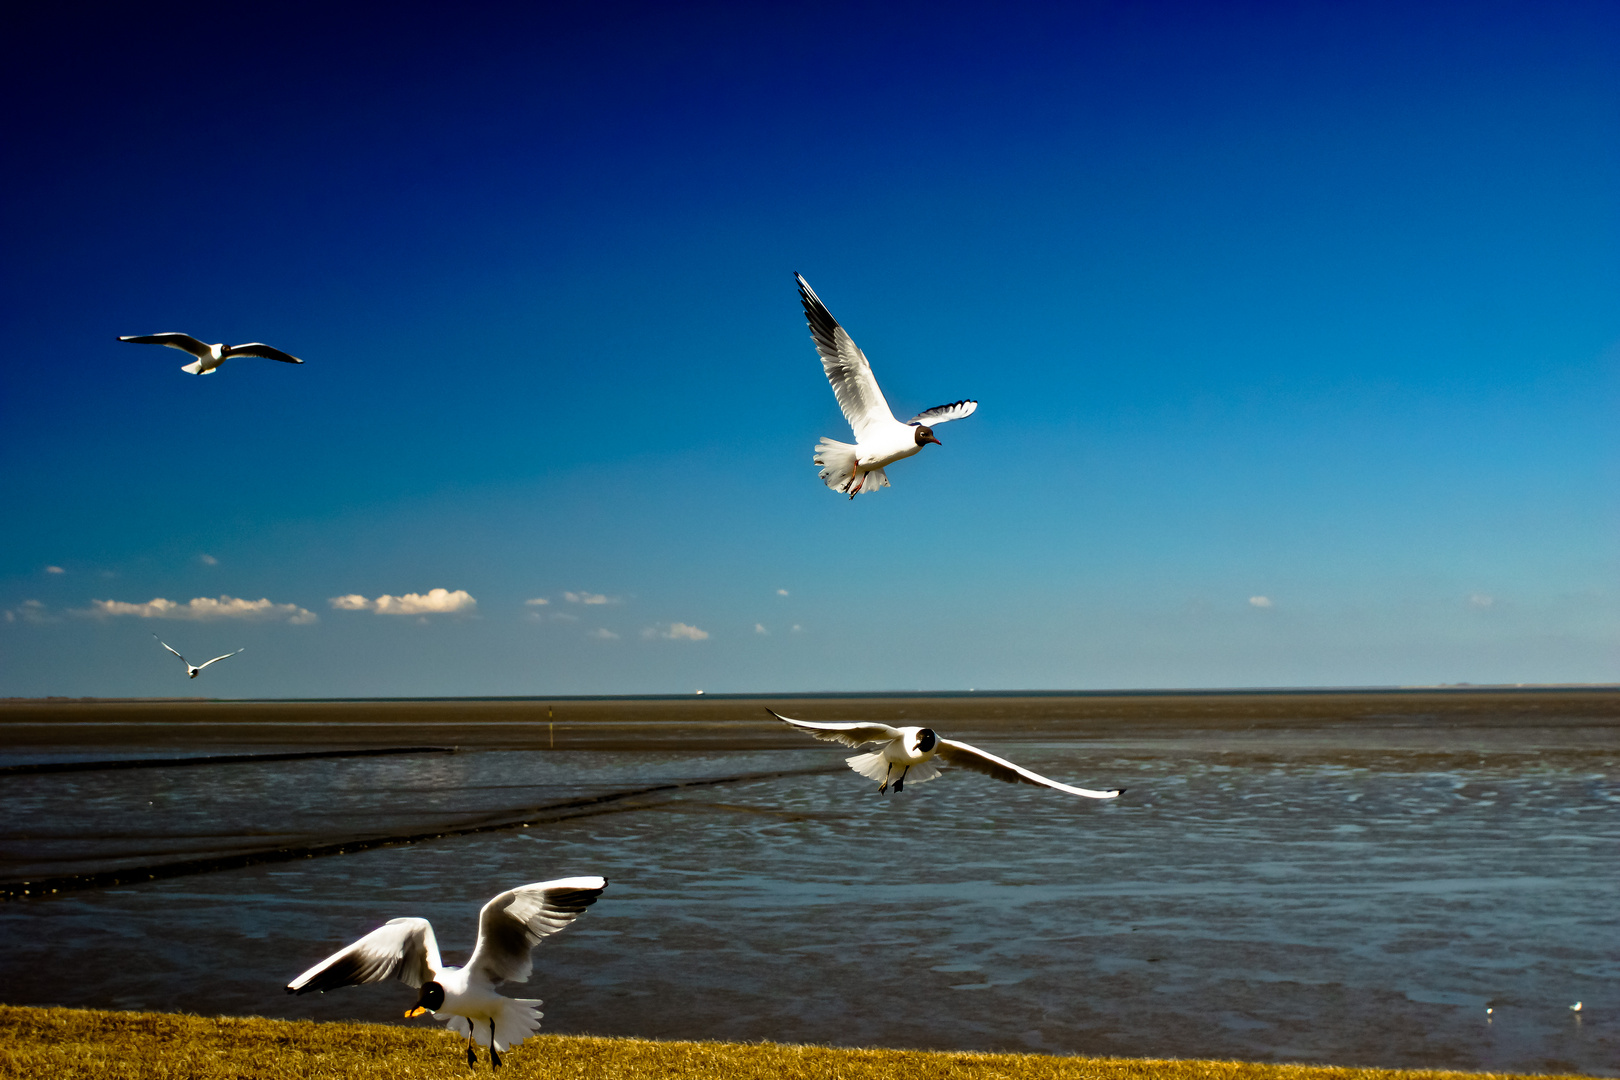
[{"x": 1312, "y": 302}]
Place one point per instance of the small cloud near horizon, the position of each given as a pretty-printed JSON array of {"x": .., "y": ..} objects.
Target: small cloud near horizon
[
  {"x": 55, "y": 570},
  {"x": 205, "y": 609},
  {"x": 538, "y": 601},
  {"x": 588, "y": 598},
  {"x": 1260, "y": 601},
  {"x": 433, "y": 602},
  {"x": 781, "y": 592},
  {"x": 676, "y": 631},
  {"x": 1481, "y": 600},
  {"x": 759, "y": 628},
  {"x": 601, "y": 634},
  {"x": 207, "y": 559}
]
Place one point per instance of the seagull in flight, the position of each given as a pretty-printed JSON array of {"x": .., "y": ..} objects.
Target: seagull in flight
[
  {"x": 508, "y": 928},
  {"x": 209, "y": 357},
  {"x": 915, "y": 749},
  {"x": 193, "y": 670},
  {"x": 880, "y": 439}
]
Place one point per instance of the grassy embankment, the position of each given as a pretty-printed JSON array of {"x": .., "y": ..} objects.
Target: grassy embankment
[{"x": 68, "y": 1043}]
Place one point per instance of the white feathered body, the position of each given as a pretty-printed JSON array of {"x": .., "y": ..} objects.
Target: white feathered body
[
  {"x": 901, "y": 755},
  {"x": 471, "y": 1002},
  {"x": 879, "y": 445},
  {"x": 207, "y": 365}
]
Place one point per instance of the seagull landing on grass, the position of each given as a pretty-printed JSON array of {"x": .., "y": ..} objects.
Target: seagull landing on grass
[
  {"x": 193, "y": 670},
  {"x": 209, "y": 357},
  {"x": 880, "y": 439},
  {"x": 508, "y": 928},
  {"x": 909, "y": 753}
]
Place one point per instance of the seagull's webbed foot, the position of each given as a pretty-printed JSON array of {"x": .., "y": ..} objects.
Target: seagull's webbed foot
[
  {"x": 901, "y": 783},
  {"x": 494, "y": 1054}
]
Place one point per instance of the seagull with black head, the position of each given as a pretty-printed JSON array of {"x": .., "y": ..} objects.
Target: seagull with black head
[
  {"x": 509, "y": 927},
  {"x": 911, "y": 752},
  {"x": 880, "y": 439},
  {"x": 209, "y": 357}
]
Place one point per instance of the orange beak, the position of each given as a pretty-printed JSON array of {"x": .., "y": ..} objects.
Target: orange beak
[{"x": 418, "y": 1011}]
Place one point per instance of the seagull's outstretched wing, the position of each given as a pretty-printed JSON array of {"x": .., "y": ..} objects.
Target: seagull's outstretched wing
[
  {"x": 964, "y": 756},
  {"x": 851, "y": 376},
  {"x": 941, "y": 413},
  {"x": 515, "y": 921},
  {"x": 183, "y": 342},
  {"x": 403, "y": 948},
  {"x": 166, "y": 645},
  {"x": 848, "y": 734},
  {"x": 217, "y": 659},
  {"x": 263, "y": 351}
]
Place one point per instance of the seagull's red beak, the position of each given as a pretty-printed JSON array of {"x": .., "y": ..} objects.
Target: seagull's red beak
[{"x": 930, "y": 438}]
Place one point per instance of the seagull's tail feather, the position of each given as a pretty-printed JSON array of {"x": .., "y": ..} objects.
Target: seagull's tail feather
[
  {"x": 517, "y": 1019},
  {"x": 195, "y": 367},
  {"x": 873, "y": 766},
  {"x": 837, "y": 460}
]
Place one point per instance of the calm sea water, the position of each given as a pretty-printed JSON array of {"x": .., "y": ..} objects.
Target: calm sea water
[{"x": 1315, "y": 898}]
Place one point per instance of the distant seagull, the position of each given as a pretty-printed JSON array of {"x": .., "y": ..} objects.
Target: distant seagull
[
  {"x": 508, "y": 928},
  {"x": 209, "y": 357},
  {"x": 194, "y": 669},
  {"x": 880, "y": 439},
  {"x": 914, "y": 749}
]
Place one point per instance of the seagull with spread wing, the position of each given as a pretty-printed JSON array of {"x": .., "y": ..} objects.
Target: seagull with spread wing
[
  {"x": 209, "y": 357},
  {"x": 913, "y": 751},
  {"x": 509, "y": 927},
  {"x": 193, "y": 670},
  {"x": 880, "y": 439}
]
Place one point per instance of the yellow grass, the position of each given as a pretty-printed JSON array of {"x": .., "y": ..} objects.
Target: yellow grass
[{"x": 63, "y": 1044}]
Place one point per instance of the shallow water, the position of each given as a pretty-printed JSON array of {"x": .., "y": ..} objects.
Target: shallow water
[{"x": 1342, "y": 900}]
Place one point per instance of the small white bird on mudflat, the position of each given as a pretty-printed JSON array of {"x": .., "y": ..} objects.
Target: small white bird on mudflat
[
  {"x": 193, "y": 670},
  {"x": 912, "y": 752},
  {"x": 209, "y": 357},
  {"x": 509, "y": 927},
  {"x": 880, "y": 439}
]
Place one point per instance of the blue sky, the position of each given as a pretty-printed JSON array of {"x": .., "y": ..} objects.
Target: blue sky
[{"x": 1294, "y": 327}]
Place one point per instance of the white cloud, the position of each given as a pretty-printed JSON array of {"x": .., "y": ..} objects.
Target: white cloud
[
  {"x": 676, "y": 631},
  {"x": 55, "y": 570},
  {"x": 207, "y": 559},
  {"x": 797, "y": 628},
  {"x": 30, "y": 611},
  {"x": 1260, "y": 601},
  {"x": 588, "y": 598},
  {"x": 1481, "y": 600},
  {"x": 433, "y": 602},
  {"x": 781, "y": 592},
  {"x": 759, "y": 628},
  {"x": 538, "y": 601},
  {"x": 602, "y": 635},
  {"x": 206, "y": 609}
]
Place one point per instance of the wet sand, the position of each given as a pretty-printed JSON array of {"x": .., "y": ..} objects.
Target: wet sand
[
  {"x": 1415, "y": 719},
  {"x": 1334, "y": 878}
]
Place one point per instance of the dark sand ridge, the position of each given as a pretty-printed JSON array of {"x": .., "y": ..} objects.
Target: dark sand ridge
[{"x": 1407, "y": 719}]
